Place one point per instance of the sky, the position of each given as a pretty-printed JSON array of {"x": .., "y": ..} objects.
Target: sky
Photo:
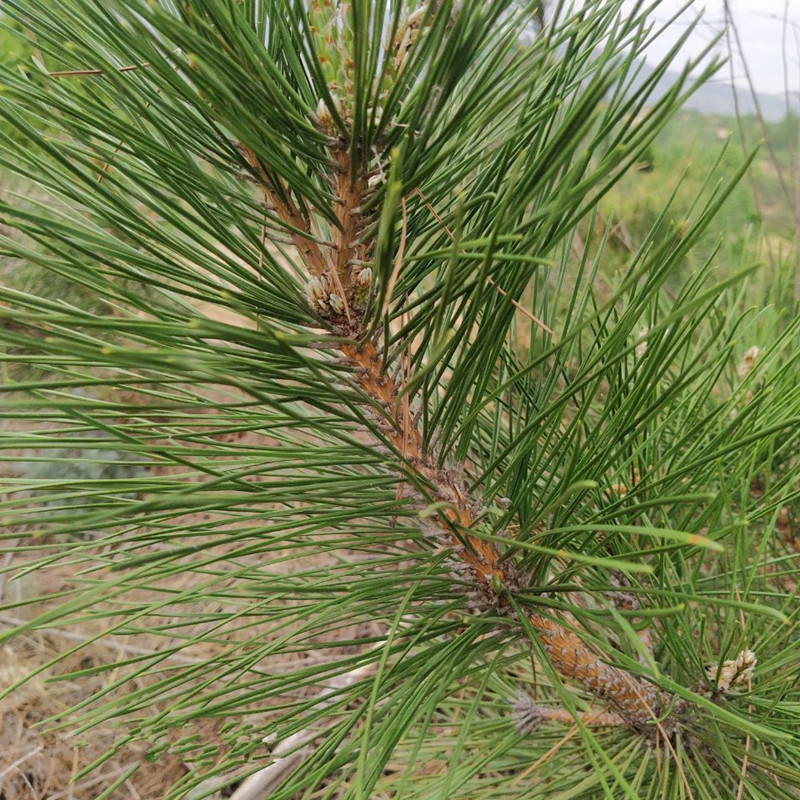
[{"x": 769, "y": 31}]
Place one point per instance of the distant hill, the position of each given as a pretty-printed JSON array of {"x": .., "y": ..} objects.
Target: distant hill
[{"x": 716, "y": 97}]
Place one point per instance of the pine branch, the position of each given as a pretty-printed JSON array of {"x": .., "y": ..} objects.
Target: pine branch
[
  {"x": 494, "y": 583},
  {"x": 637, "y": 703}
]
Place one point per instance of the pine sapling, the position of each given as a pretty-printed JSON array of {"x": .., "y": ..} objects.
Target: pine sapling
[{"x": 419, "y": 477}]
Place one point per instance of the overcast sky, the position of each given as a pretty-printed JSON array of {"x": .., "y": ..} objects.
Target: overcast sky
[{"x": 770, "y": 37}]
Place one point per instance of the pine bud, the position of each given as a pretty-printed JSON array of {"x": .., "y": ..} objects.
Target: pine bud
[
  {"x": 527, "y": 715},
  {"x": 734, "y": 673},
  {"x": 317, "y": 293},
  {"x": 641, "y": 348},
  {"x": 748, "y": 362},
  {"x": 363, "y": 287},
  {"x": 336, "y": 303}
]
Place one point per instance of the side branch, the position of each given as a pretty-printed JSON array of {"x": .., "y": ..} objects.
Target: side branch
[
  {"x": 528, "y": 715},
  {"x": 633, "y": 701}
]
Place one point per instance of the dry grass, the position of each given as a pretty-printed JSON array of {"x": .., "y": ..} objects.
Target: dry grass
[{"x": 40, "y": 761}]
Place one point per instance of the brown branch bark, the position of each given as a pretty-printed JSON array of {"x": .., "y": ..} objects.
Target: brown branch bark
[{"x": 296, "y": 223}]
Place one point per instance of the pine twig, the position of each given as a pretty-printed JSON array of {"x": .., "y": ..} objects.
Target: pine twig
[
  {"x": 292, "y": 751},
  {"x": 494, "y": 581},
  {"x": 528, "y": 715},
  {"x": 298, "y": 225}
]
